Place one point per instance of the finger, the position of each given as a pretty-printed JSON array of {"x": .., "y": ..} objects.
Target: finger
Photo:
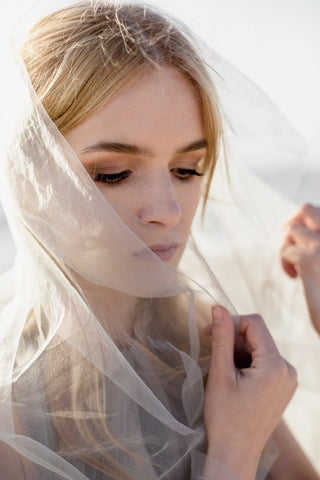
[
  {"x": 288, "y": 267},
  {"x": 222, "y": 343},
  {"x": 300, "y": 236},
  {"x": 304, "y": 261},
  {"x": 241, "y": 354},
  {"x": 308, "y": 215},
  {"x": 257, "y": 338},
  {"x": 293, "y": 254},
  {"x": 290, "y": 256},
  {"x": 299, "y": 233}
]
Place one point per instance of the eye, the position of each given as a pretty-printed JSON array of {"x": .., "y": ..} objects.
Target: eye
[
  {"x": 186, "y": 173},
  {"x": 111, "y": 178}
]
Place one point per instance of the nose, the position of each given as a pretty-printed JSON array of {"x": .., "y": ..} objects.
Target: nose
[{"x": 159, "y": 204}]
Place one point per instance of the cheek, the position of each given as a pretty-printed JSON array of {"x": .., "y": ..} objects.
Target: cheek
[
  {"x": 122, "y": 200},
  {"x": 119, "y": 196},
  {"x": 188, "y": 202}
]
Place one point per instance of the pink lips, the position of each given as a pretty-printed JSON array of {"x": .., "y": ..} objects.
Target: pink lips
[{"x": 165, "y": 252}]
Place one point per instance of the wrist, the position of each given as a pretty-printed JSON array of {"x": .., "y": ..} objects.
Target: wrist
[{"x": 242, "y": 461}]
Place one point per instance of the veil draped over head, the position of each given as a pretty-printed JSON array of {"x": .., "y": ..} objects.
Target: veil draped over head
[{"x": 102, "y": 351}]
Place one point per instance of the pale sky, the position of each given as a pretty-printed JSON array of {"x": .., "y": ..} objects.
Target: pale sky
[{"x": 274, "y": 42}]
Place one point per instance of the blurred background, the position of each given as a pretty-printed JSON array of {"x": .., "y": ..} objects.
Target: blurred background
[{"x": 276, "y": 43}]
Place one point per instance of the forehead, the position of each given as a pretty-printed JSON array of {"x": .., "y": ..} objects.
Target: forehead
[{"x": 158, "y": 106}]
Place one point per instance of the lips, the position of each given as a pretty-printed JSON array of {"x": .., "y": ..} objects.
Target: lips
[{"x": 164, "y": 251}]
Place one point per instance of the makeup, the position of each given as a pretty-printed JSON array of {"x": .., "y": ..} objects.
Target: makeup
[{"x": 164, "y": 252}]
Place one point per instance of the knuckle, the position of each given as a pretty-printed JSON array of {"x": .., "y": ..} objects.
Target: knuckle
[
  {"x": 286, "y": 373},
  {"x": 283, "y": 371},
  {"x": 282, "y": 375},
  {"x": 293, "y": 374},
  {"x": 285, "y": 249},
  {"x": 306, "y": 209},
  {"x": 256, "y": 318},
  {"x": 278, "y": 368},
  {"x": 294, "y": 228},
  {"x": 219, "y": 341},
  {"x": 291, "y": 380},
  {"x": 258, "y": 322}
]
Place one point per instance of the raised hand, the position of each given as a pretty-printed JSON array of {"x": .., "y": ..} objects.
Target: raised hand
[
  {"x": 243, "y": 406},
  {"x": 300, "y": 255}
]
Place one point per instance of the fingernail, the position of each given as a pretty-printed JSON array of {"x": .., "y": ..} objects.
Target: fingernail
[{"x": 217, "y": 315}]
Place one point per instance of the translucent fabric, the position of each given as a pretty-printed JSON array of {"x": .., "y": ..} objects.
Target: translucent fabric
[{"x": 102, "y": 355}]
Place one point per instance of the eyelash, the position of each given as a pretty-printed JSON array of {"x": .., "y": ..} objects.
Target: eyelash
[
  {"x": 186, "y": 173},
  {"x": 182, "y": 174},
  {"x": 111, "y": 178}
]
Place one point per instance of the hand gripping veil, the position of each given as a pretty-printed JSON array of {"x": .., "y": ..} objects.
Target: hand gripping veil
[{"x": 102, "y": 358}]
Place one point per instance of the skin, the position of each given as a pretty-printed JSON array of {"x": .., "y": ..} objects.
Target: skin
[
  {"x": 243, "y": 406},
  {"x": 300, "y": 255},
  {"x": 155, "y": 200},
  {"x": 158, "y": 116}
]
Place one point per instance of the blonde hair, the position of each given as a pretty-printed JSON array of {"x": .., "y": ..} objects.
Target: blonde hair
[{"x": 78, "y": 59}]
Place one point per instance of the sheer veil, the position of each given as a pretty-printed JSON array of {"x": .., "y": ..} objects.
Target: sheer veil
[{"x": 102, "y": 352}]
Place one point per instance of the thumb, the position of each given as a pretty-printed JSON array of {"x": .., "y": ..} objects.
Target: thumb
[{"x": 222, "y": 342}]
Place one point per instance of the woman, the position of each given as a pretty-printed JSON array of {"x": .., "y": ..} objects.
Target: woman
[{"x": 104, "y": 369}]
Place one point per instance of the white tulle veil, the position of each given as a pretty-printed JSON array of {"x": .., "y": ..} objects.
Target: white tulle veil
[{"x": 133, "y": 397}]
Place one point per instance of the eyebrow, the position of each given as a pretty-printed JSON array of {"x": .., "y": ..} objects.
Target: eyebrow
[{"x": 137, "y": 150}]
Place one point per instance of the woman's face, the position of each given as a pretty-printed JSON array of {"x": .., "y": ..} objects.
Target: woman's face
[{"x": 143, "y": 150}]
